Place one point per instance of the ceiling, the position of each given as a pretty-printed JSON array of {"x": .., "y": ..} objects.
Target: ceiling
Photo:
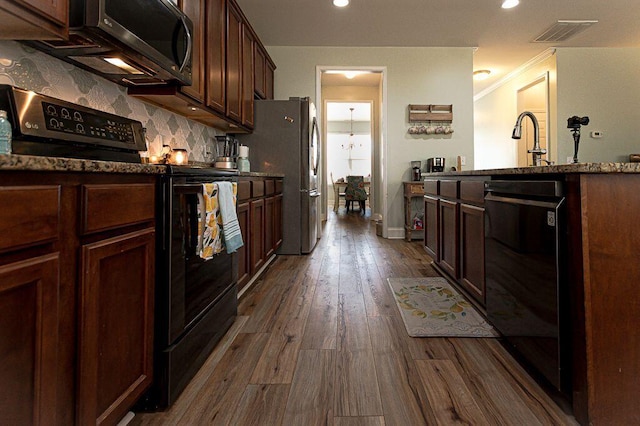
[{"x": 503, "y": 37}]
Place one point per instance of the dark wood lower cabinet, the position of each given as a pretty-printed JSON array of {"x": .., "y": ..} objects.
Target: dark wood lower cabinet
[
  {"x": 472, "y": 250},
  {"x": 431, "y": 227},
  {"x": 29, "y": 309},
  {"x": 76, "y": 296},
  {"x": 256, "y": 234},
  {"x": 260, "y": 216},
  {"x": 244, "y": 267},
  {"x": 115, "y": 325},
  {"x": 448, "y": 242},
  {"x": 454, "y": 231}
]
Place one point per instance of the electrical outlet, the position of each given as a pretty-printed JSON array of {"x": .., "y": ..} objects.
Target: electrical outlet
[
  {"x": 596, "y": 134},
  {"x": 463, "y": 160}
]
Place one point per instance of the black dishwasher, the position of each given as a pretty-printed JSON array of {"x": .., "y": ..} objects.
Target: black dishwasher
[{"x": 525, "y": 246}]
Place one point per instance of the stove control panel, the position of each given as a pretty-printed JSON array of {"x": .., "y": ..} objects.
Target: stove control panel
[{"x": 38, "y": 118}]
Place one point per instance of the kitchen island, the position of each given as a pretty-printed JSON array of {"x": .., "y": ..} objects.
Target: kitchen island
[{"x": 600, "y": 275}]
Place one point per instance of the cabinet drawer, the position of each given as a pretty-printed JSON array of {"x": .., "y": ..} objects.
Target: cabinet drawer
[
  {"x": 415, "y": 189},
  {"x": 449, "y": 188},
  {"x": 269, "y": 187},
  {"x": 115, "y": 205},
  {"x": 244, "y": 190},
  {"x": 431, "y": 187},
  {"x": 29, "y": 215},
  {"x": 472, "y": 191},
  {"x": 279, "y": 185},
  {"x": 257, "y": 188}
]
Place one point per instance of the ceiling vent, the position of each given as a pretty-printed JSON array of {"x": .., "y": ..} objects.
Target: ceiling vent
[{"x": 563, "y": 30}]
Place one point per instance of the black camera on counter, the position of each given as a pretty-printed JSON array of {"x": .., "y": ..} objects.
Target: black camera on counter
[{"x": 575, "y": 122}]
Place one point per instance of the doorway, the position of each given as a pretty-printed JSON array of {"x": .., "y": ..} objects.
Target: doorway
[
  {"x": 533, "y": 97},
  {"x": 349, "y": 146},
  {"x": 355, "y": 85}
]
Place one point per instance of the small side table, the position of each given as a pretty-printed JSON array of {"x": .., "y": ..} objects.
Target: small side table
[{"x": 412, "y": 190}]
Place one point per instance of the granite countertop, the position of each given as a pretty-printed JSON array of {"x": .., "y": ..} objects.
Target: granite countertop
[
  {"x": 18, "y": 162},
  {"x": 57, "y": 164},
  {"x": 555, "y": 169},
  {"x": 262, "y": 174}
]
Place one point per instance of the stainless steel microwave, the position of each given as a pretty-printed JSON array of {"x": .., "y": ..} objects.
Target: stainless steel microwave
[{"x": 131, "y": 42}]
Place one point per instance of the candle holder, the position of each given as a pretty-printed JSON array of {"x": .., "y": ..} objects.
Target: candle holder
[{"x": 178, "y": 157}]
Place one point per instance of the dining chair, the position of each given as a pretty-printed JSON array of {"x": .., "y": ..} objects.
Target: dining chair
[
  {"x": 337, "y": 194},
  {"x": 355, "y": 192}
]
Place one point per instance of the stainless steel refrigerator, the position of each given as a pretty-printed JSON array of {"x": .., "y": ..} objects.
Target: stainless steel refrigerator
[{"x": 286, "y": 139}]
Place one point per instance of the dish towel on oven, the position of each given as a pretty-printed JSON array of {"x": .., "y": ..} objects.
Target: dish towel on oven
[
  {"x": 230, "y": 226},
  {"x": 210, "y": 222}
]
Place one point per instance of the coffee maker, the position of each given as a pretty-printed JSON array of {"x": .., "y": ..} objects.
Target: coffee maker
[
  {"x": 415, "y": 170},
  {"x": 435, "y": 164}
]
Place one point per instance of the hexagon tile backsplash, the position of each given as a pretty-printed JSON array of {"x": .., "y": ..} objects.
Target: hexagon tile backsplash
[{"x": 25, "y": 67}]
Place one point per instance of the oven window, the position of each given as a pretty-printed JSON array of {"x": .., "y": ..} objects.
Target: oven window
[{"x": 195, "y": 283}]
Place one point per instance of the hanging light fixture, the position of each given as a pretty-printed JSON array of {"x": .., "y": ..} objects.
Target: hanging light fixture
[{"x": 350, "y": 145}]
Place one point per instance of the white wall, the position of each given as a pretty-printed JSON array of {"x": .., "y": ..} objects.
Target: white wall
[
  {"x": 603, "y": 84},
  {"x": 414, "y": 76},
  {"x": 496, "y": 114}
]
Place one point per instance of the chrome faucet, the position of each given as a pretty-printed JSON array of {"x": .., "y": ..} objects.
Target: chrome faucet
[{"x": 536, "y": 152}]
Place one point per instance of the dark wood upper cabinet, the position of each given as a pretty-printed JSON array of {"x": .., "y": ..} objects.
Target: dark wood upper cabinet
[
  {"x": 248, "y": 42},
  {"x": 216, "y": 56},
  {"x": 197, "y": 12},
  {"x": 259, "y": 71},
  {"x": 270, "y": 69},
  {"x": 234, "y": 62},
  {"x": 223, "y": 67},
  {"x": 34, "y": 19}
]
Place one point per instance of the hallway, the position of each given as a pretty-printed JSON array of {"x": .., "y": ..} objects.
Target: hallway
[{"x": 319, "y": 341}]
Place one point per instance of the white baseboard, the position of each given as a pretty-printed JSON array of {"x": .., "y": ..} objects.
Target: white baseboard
[{"x": 395, "y": 233}]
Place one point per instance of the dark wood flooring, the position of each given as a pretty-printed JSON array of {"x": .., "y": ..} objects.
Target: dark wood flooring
[{"x": 319, "y": 341}]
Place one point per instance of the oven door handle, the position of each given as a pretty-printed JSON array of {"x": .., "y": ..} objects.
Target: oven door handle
[{"x": 193, "y": 188}]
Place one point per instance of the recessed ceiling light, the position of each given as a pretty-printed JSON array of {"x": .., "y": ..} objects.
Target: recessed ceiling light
[
  {"x": 481, "y": 74},
  {"x": 508, "y": 4},
  {"x": 340, "y": 3}
]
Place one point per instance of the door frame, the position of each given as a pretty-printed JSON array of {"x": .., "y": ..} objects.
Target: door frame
[
  {"x": 378, "y": 175},
  {"x": 540, "y": 79}
]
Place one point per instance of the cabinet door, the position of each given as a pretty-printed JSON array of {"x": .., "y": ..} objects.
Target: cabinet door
[
  {"x": 29, "y": 317},
  {"x": 216, "y": 54},
  {"x": 247, "y": 76},
  {"x": 269, "y": 225},
  {"x": 448, "y": 242},
  {"x": 431, "y": 227},
  {"x": 277, "y": 221},
  {"x": 34, "y": 19},
  {"x": 234, "y": 63},
  {"x": 256, "y": 235},
  {"x": 196, "y": 11},
  {"x": 472, "y": 250},
  {"x": 268, "y": 80},
  {"x": 115, "y": 331},
  {"x": 259, "y": 71},
  {"x": 244, "y": 266}
]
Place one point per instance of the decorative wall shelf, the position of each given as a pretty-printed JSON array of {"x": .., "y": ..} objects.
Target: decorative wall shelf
[
  {"x": 424, "y": 113},
  {"x": 430, "y": 119}
]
